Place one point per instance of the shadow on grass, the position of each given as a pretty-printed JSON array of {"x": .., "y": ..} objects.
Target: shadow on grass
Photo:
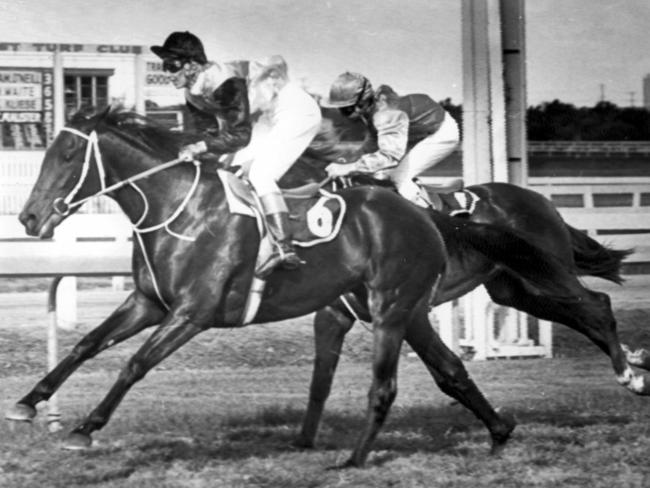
[{"x": 272, "y": 431}]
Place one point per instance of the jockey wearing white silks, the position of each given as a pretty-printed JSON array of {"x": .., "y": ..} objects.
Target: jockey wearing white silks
[{"x": 289, "y": 120}]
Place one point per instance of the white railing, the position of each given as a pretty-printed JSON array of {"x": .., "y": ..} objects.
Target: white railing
[{"x": 588, "y": 147}]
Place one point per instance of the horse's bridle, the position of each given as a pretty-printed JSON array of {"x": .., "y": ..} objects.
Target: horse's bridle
[
  {"x": 67, "y": 204},
  {"x": 62, "y": 206}
]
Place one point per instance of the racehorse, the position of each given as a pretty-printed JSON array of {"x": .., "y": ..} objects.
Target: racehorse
[
  {"x": 193, "y": 263},
  {"x": 527, "y": 214}
]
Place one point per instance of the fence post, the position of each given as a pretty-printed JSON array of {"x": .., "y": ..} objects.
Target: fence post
[
  {"x": 53, "y": 413},
  {"x": 66, "y": 291}
]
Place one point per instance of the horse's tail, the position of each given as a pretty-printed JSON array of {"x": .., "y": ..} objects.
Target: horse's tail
[
  {"x": 499, "y": 244},
  {"x": 594, "y": 259}
]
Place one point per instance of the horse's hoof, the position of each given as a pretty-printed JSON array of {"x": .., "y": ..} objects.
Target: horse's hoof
[
  {"x": 303, "y": 443},
  {"x": 502, "y": 435},
  {"x": 77, "y": 441},
  {"x": 350, "y": 463},
  {"x": 21, "y": 413}
]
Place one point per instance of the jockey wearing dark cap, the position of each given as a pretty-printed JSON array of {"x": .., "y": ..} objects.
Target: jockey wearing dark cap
[
  {"x": 218, "y": 98},
  {"x": 216, "y": 95}
]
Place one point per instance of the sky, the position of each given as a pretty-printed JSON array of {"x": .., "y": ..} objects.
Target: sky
[{"x": 578, "y": 51}]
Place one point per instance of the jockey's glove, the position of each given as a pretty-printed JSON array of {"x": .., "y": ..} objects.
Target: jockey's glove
[{"x": 188, "y": 153}]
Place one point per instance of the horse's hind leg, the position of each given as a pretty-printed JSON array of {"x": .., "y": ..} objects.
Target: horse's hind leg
[
  {"x": 134, "y": 315},
  {"x": 590, "y": 315},
  {"x": 175, "y": 331},
  {"x": 330, "y": 326},
  {"x": 451, "y": 376}
]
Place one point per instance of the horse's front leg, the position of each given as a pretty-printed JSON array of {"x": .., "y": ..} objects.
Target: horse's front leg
[
  {"x": 134, "y": 315},
  {"x": 176, "y": 330},
  {"x": 389, "y": 323},
  {"x": 330, "y": 326}
]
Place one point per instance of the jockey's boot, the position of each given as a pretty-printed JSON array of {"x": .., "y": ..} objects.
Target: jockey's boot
[{"x": 284, "y": 253}]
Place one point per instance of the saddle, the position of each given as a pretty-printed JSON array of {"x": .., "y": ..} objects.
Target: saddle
[
  {"x": 315, "y": 214},
  {"x": 450, "y": 197},
  {"x": 315, "y": 217}
]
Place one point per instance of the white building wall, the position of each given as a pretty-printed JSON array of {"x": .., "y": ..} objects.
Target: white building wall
[{"x": 19, "y": 168}]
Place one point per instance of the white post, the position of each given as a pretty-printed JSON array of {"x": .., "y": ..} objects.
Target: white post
[
  {"x": 58, "y": 97},
  {"x": 477, "y": 133},
  {"x": 545, "y": 329},
  {"x": 447, "y": 326},
  {"x": 514, "y": 71},
  {"x": 53, "y": 413},
  {"x": 140, "y": 74},
  {"x": 477, "y": 148},
  {"x": 497, "y": 95},
  {"x": 67, "y": 290}
]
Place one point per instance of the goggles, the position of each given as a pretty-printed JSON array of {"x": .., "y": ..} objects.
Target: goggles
[{"x": 172, "y": 65}]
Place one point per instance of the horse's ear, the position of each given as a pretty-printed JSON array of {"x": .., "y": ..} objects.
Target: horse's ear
[{"x": 105, "y": 112}]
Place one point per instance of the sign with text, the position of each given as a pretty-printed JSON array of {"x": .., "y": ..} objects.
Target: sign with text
[
  {"x": 26, "y": 107},
  {"x": 49, "y": 47},
  {"x": 155, "y": 76}
]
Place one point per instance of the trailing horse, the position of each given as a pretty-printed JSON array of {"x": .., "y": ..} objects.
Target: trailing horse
[
  {"x": 194, "y": 259},
  {"x": 518, "y": 212}
]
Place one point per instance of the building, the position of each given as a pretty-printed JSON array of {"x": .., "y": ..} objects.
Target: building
[
  {"x": 93, "y": 75},
  {"x": 42, "y": 85}
]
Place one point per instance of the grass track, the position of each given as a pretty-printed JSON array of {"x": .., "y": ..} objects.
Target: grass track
[{"x": 223, "y": 411}]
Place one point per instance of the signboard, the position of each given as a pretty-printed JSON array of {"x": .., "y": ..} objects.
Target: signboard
[
  {"x": 26, "y": 107},
  {"x": 155, "y": 76},
  {"x": 47, "y": 47}
]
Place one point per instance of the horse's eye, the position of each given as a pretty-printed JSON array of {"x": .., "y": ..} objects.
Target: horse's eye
[{"x": 69, "y": 150}]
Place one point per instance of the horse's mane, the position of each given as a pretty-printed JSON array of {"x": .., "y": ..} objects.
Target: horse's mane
[
  {"x": 146, "y": 133},
  {"x": 328, "y": 146}
]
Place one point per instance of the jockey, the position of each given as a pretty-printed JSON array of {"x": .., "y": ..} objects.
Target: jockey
[
  {"x": 215, "y": 95},
  {"x": 412, "y": 133},
  {"x": 287, "y": 120}
]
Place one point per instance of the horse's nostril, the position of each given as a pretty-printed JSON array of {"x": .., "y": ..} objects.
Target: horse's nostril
[{"x": 28, "y": 220}]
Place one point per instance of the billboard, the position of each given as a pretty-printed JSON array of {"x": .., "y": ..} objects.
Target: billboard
[{"x": 26, "y": 108}]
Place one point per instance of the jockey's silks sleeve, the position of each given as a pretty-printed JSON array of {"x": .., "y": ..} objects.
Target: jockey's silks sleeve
[
  {"x": 392, "y": 136},
  {"x": 223, "y": 120}
]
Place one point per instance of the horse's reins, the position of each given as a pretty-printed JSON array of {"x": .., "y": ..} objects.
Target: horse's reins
[{"x": 92, "y": 147}]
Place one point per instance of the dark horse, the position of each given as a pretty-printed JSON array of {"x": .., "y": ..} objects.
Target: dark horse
[
  {"x": 386, "y": 247},
  {"x": 388, "y": 253},
  {"x": 527, "y": 214}
]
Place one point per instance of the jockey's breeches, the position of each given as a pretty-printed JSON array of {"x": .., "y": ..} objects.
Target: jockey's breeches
[
  {"x": 424, "y": 155},
  {"x": 278, "y": 149}
]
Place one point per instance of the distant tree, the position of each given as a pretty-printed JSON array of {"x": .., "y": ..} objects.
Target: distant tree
[{"x": 605, "y": 121}]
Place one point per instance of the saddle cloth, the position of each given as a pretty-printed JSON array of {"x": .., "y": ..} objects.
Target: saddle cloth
[{"x": 315, "y": 215}]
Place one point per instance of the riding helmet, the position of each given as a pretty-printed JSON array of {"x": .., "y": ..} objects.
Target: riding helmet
[
  {"x": 182, "y": 45},
  {"x": 348, "y": 89}
]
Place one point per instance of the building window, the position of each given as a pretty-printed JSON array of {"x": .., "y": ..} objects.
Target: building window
[{"x": 85, "y": 89}]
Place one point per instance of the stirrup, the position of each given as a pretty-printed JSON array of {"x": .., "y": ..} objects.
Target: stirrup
[{"x": 287, "y": 259}]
